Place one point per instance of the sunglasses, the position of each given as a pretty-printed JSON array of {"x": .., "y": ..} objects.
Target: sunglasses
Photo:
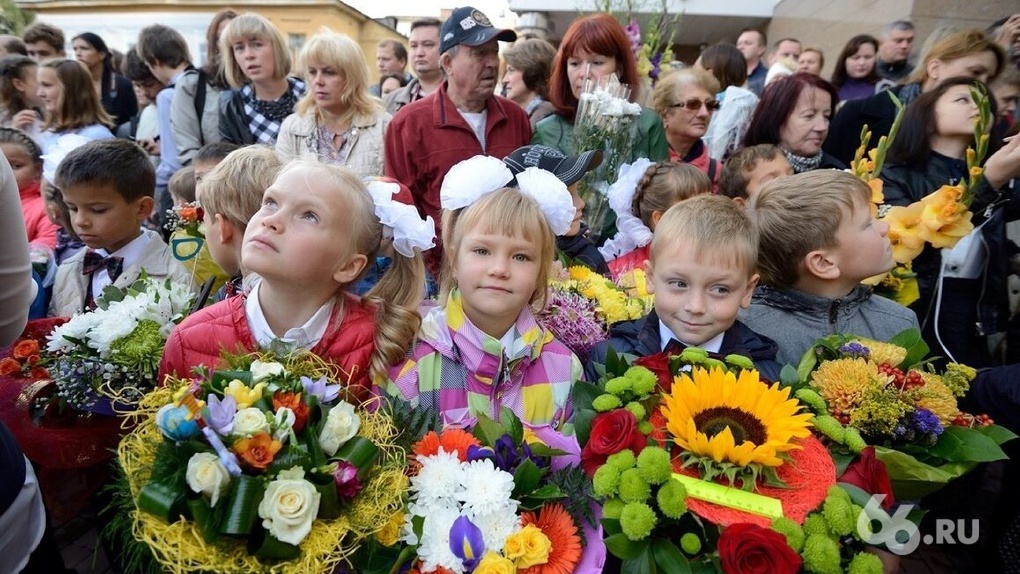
[{"x": 695, "y": 104}]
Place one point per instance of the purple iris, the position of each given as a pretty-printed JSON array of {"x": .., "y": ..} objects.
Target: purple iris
[
  {"x": 221, "y": 413},
  {"x": 466, "y": 542},
  {"x": 320, "y": 389},
  {"x": 505, "y": 454}
]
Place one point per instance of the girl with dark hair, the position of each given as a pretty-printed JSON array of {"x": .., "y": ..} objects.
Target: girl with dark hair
[
  {"x": 594, "y": 47},
  {"x": 19, "y": 103},
  {"x": 963, "y": 291},
  {"x": 856, "y": 75},
  {"x": 794, "y": 114},
  {"x": 726, "y": 131},
  {"x": 118, "y": 97}
]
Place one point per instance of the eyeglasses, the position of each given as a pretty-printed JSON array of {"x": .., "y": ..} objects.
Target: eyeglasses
[{"x": 695, "y": 104}]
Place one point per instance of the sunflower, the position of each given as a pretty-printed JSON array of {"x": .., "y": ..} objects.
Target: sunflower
[
  {"x": 719, "y": 415},
  {"x": 558, "y": 526}
]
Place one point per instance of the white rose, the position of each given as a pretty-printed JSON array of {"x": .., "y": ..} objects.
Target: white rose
[
  {"x": 206, "y": 474},
  {"x": 289, "y": 506},
  {"x": 342, "y": 423},
  {"x": 260, "y": 370},
  {"x": 250, "y": 421}
]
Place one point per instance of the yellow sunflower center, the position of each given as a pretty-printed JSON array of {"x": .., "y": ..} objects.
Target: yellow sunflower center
[{"x": 745, "y": 427}]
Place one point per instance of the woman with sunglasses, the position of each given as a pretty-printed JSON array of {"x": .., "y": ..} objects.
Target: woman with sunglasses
[
  {"x": 685, "y": 101},
  {"x": 794, "y": 114},
  {"x": 594, "y": 47}
]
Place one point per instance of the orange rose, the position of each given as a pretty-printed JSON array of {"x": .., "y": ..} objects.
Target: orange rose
[
  {"x": 292, "y": 401},
  {"x": 257, "y": 452},
  {"x": 188, "y": 213},
  {"x": 9, "y": 366},
  {"x": 26, "y": 348}
]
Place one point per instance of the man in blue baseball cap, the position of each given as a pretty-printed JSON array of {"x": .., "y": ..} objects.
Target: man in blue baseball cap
[{"x": 462, "y": 119}]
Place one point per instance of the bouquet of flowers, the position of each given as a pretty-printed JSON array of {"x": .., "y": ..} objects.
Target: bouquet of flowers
[
  {"x": 656, "y": 46},
  {"x": 940, "y": 219},
  {"x": 606, "y": 120},
  {"x": 887, "y": 395},
  {"x": 704, "y": 467},
  {"x": 263, "y": 467},
  {"x": 583, "y": 304},
  {"x": 113, "y": 351},
  {"x": 25, "y": 359},
  {"x": 503, "y": 499},
  {"x": 187, "y": 218}
]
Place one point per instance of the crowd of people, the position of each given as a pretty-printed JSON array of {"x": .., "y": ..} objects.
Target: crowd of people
[{"x": 753, "y": 238}]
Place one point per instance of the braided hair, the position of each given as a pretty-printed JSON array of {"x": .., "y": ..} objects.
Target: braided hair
[
  {"x": 18, "y": 137},
  {"x": 665, "y": 184}
]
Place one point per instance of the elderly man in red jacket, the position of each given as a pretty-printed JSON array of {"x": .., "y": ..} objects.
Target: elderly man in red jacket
[{"x": 462, "y": 119}]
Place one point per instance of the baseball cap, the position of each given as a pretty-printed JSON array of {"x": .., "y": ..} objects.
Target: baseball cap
[
  {"x": 470, "y": 27},
  {"x": 568, "y": 169}
]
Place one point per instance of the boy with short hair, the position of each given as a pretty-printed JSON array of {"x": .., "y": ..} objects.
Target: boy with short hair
[
  {"x": 166, "y": 53},
  {"x": 208, "y": 157},
  {"x": 107, "y": 207},
  {"x": 701, "y": 272},
  {"x": 43, "y": 41},
  {"x": 819, "y": 240},
  {"x": 230, "y": 194},
  {"x": 750, "y": 168}
]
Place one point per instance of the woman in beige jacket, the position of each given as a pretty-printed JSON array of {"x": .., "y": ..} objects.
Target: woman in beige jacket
[{"x": 336, "y": 121}]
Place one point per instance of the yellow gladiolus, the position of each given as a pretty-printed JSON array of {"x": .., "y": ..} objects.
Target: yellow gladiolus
[
  {"x": 906, "y": 232},
  {"x": 951, "y": 232},
  {"x": 244, "y": 395}
]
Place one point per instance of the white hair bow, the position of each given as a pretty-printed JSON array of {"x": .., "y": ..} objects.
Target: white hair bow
[
  {"x": 474, "y": 178},
  {"x": 631, "y": 232},
  {"x": 410, "y": 231},
  {"x": 64, "y": 145}
]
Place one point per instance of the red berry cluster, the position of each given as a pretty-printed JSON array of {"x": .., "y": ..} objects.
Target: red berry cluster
[
  {"x": 967, "y": 420},
  {"x": 904, "y": 382}
]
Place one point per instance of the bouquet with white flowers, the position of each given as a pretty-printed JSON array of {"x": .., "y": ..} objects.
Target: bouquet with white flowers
[
  {"x": 606, "y": 120},
  {"x": 264, "y": 466},
  {"x": 113, "y": 351}
]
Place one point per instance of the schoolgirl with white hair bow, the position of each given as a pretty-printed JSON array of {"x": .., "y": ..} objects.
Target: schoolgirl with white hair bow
[{"x": 482, "y": 349}]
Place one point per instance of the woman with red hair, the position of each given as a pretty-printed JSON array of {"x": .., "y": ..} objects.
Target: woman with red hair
[{"x": 594, "y": 47}]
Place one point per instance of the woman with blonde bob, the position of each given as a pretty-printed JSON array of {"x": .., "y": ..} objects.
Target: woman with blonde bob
[
  {"x": 685, "y": 101},
  {"x": 256, "y": 64},
  {"x": 337, "y": 121}
]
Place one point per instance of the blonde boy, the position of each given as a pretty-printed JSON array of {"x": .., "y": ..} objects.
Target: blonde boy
[
  {"x": 701, "y": 272},
  {"x": 818, "y": 242},
  {"x": 230, "y": 194}
]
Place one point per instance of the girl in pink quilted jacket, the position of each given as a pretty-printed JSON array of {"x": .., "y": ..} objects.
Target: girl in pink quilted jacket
[
  {"x": 318, "y": 227},
  {"x": 483, "y": 349}
]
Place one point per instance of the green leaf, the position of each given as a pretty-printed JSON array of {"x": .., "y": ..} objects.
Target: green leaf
[
  {"x": 487, "y": 431},
  {"x": 220, "y": 379},
  {"x": 512, "y": 425},
  {"x": 526, "y": 478},
  {"x": 273, "y": 549},
  {"x": 329, "y": 501},
  {"x": 202, "y": 513},
  {"x": 669, "y": 558},
  {"x": 536, "y": 498},
  {"x": 611, "y": 526},
  {"x": 624, "y": 548},
  {"x": 789, "y": 377},
  {"x": 842, "y": 461},
  {"x": 542, "y": 450},
  {"x": 289, "y": 457},
  {"x": 643, "y": 563},
  {"x": 242, "y": 505},
  {"x": 997, "y": 433},
  {"x": 917, "y": 349},
  {"x": 582, "y": 422},
  {"x": 360, "y": 452},
  {"x": 960, "y": 444},
  {"x": 913, "y": 479},
  {"x": 161, "y": 500}
]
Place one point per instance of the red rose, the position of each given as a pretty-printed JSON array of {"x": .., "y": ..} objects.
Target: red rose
[
  {"x": 9, "y": 366},
  {"x": 658, "y": 364},
  {"x": 870, "y": 475},
  {"x": 611, "y": 432},
  {"x": 750, "y": 549}
]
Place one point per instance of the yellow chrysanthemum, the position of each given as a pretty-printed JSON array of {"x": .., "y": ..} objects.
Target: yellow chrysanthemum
[
  {"x": 884, "y": 353},
  {"x": 937, "y": 398},
  {"x": 731, "y": 418},
  {"x": 843, "y": 382}
]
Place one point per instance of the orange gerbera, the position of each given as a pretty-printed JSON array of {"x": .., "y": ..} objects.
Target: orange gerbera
[
  {"x": 558, "y": 526},
  {"x": 452, "y": 440},
  {"x": 258, "y": 451}
]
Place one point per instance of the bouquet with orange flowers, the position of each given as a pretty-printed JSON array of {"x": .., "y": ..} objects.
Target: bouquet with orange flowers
[
  {"x": 187, "y": 218},
  {"x": 265, "y": 466},
  {"x": 24, "y": 360}
]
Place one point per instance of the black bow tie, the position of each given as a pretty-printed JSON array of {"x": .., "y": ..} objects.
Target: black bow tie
[{"x": 94, "y": 262}]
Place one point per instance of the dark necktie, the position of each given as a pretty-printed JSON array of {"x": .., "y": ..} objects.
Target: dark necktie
[
  {"x": 94, "y": 262},
  {"x": 674, "y": 348}
]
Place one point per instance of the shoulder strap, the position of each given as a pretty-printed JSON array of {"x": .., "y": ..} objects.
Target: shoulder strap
[
  {"x": 200, "y": 88},
  {"x": 712, "y": 165}
]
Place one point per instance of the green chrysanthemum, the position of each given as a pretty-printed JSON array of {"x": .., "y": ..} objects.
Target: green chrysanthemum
[
  {"x": 865, "y": 563},
  {"x": 633, "y": 487},
  {"x": 654, "y": 465},
  {"x": 672, "y": 499},
  {"x": 142, "y": 348},
  {"x": 690, "y": 543},
  {"x": 637, "y": 520},
  {"x": 821, "y": 555},
  {"x": 791, "y": 530}
]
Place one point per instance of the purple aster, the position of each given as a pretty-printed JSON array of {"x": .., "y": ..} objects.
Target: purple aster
[
  {"x": 321, "y": 389},
  {"x": 855, "y": 349},
  {"x": 221, "y": 413},
  {"x": 927, "y": 422}
]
